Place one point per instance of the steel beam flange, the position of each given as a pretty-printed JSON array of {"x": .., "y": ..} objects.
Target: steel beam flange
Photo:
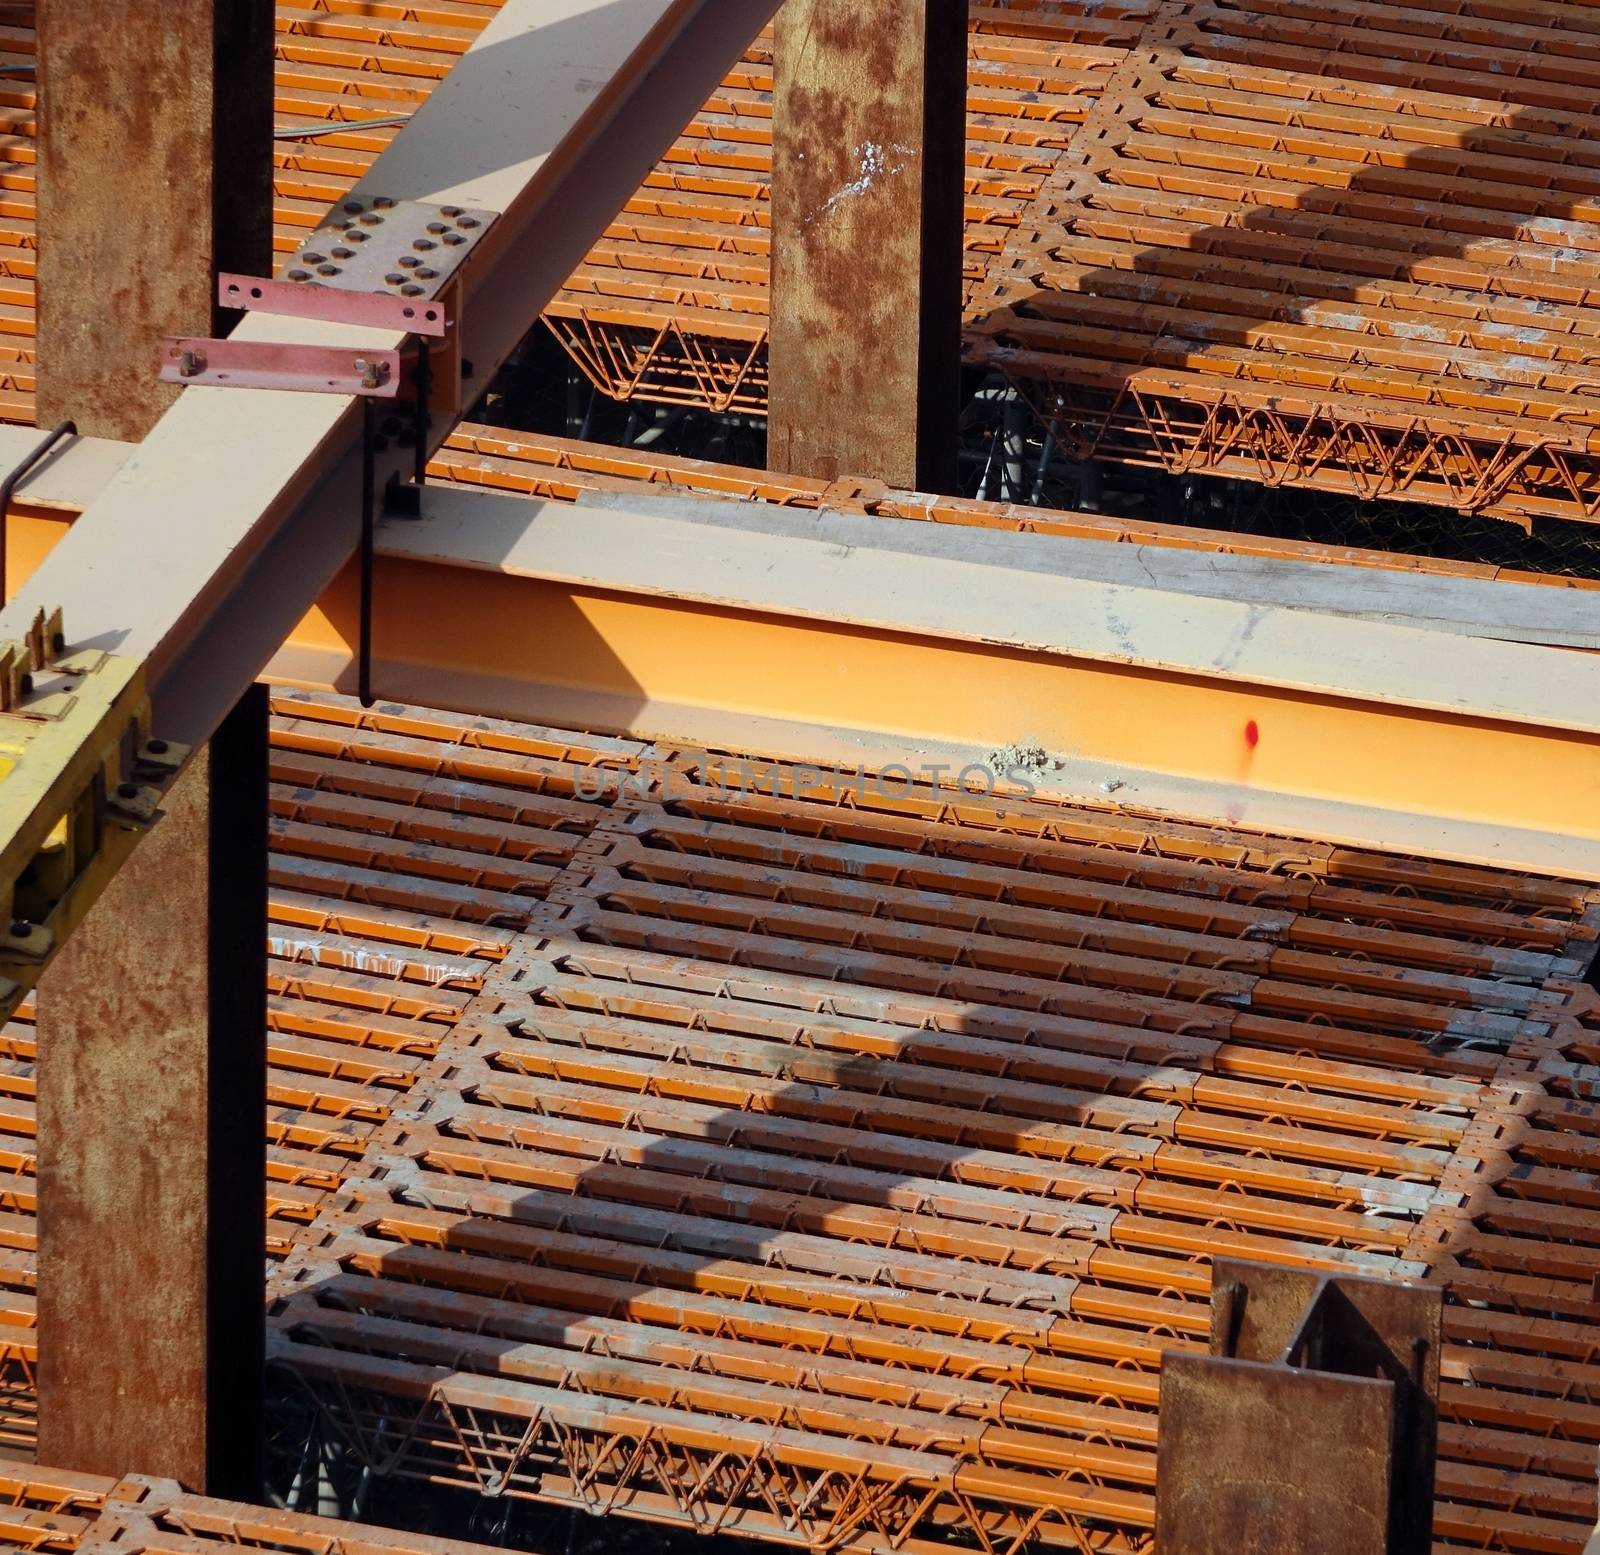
[{"x": 400, "y": 248}]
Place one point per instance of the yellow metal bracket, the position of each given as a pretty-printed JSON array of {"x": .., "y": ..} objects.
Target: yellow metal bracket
[{"x": 80, "y": 781}]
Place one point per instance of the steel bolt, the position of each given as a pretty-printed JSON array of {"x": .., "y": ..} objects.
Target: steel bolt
[
  {"x": 383, "y": 202},
  {"x": 344, "y": 253},
  {"x": 299, "y": 275},
  {"x": 436, "y": 227},
  {"x": 370, "y": 220},
  {"x": 353, "y": 207},
  {"x": 469, "y": 222},
  {"x": 450, "y": 210},
  {"x": 411, "y": 289},
  {"x": 190, "y": 364},
  {"x": 408, "y": 261},
  {"x": 21, "y": 928},
  {"x": 368, "y": 371},
  {"x": 327, "y": 269},
  {"x": 394, "y": 278},
  {"x": 157, "y": 747},
  {"x": 425, "y": 274},
  {"x": 127, "y": 790},
  {"x": 422, "y": 245},
  {"x": 311, "y": 259}
]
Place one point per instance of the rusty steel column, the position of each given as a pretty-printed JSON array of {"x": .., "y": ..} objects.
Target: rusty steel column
[
  {"x": 155, "y": 172},
  {"x": 869, "y": 145},
  {"x": 152, "y": 1155}
]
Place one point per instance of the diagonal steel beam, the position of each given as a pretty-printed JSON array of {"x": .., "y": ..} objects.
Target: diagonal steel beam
[{"x": 239, "y": 507}]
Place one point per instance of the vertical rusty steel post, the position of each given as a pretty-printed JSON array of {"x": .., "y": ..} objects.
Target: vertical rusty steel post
[
  {"x": 155, "y": 172},
  {"x": 152, "y": 1081},
  {"x": 1311, "y": 1426},
  {"x": 869, "y": 146}
]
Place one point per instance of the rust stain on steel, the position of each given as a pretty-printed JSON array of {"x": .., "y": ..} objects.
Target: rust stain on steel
[
  {"x": 155, "y": 167},
  {"x": 869, "y": 136},
  {"x": 151, "y": 1148},
  {"x": 1282, "y": 1460}
]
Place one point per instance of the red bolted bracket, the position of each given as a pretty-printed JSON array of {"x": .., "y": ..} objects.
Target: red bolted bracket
[
  {"x": 260, "y": 364},
  {"x": 315, "y": 300}
]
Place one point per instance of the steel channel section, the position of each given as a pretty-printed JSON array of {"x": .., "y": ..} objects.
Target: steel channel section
[
  {"x": 151, "y": 1155},
  {"x": 1311, "y": 1426},
  {"x": 869, "y": 134},
  {"x": 158, "y": 177},
  {"x": 550, "y": 119}
]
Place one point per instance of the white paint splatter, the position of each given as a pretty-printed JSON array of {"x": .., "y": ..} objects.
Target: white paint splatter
[
  {"x": 872, "y": 163},
  {"x": 359, "y": 958}
]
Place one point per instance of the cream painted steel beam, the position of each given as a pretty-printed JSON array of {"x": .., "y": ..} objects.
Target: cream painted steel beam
[
  {"x": 1504, "y": 608},
  {"x": 240, "y": 506},
  {"x": 844, "y": 647}
]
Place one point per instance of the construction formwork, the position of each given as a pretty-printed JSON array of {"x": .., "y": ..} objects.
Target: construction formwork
[{"x": 687, "y": 1136}]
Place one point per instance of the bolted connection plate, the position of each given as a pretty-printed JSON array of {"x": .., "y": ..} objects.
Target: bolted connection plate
[{"x": 402, "y": 248}]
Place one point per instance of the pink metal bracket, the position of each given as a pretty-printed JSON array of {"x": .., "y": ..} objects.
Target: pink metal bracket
[
  {"x": 258, "y": 364},
  {"x": 312, "y": 300}
]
